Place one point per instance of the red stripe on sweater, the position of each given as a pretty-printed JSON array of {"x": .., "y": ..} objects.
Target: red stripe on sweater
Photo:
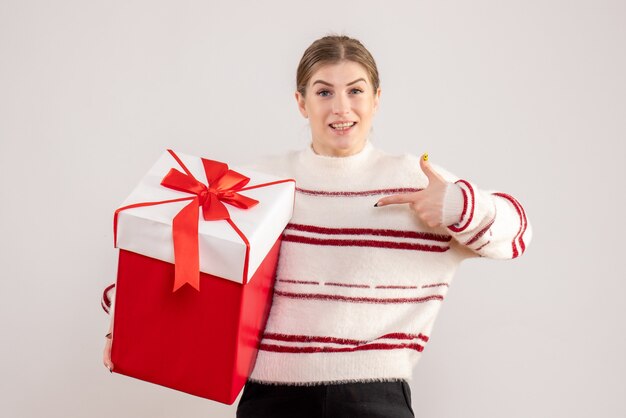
[
  {"x": 321, "y": 296},
  {"x": 363, "y": 286},
  {"x": 357, "y": 194},
  {"x": 481, "y": 232},
  {"x": 310, "y": 338},
  {"x": 105, "y": 296},
  {"x": 435, "y": 285},
  {"x": 369, "y": 231},
  {"x": 482, "y": 246},
  {"x": 298, "y": 281},
  {"x": 404, "y": 336},
  {"x": 524, "y": 220},
  {"x": 522, "y": 228},
  {"x": 335, "y": 340},
  {"x": 375, "y": 346},
  {"x": 364, "y": 243},
  {"x": 396, "y": 287},
  {"x": 466, "y": 203},
  {"x": 390, "y": 286}
]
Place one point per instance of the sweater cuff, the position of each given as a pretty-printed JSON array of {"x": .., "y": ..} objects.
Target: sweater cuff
[
  {"x": 467, "y": 214},
  {"x": 453, "y": 203},
  {"x": 108, "y": 298}
]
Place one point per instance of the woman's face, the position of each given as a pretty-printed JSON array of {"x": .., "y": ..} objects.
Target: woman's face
[{"x": 340, "y": 103}]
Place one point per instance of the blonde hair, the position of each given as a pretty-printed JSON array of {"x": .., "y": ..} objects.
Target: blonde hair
[{"x": 333, "y": 49}]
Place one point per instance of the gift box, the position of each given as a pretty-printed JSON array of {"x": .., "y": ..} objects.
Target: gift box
[{"x": 199, "y": 245}]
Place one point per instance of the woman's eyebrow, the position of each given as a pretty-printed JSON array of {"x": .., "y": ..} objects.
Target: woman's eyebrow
[{"x": 330, "y": 85}]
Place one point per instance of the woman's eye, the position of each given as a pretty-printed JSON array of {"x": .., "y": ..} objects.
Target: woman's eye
[
  {"x": 356, "y": 91},
  {"x": 323, "y": 93}
]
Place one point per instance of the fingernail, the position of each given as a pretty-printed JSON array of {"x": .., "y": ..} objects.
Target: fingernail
[{"x": 425, "y": 157}]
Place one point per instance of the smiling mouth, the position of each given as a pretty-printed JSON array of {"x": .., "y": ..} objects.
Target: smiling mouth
[{"x": 342, "y": 126}]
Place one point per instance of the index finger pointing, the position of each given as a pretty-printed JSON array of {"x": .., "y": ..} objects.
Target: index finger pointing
[{"x": 398, "y": 198}]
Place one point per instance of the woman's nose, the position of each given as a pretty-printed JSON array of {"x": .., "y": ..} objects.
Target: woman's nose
[{"x": 341, "y": 105}]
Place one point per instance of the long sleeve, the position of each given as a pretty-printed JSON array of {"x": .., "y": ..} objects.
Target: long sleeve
[{"x": 492, "y": 224}]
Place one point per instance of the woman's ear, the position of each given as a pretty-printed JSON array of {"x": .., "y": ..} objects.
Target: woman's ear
[
  {"x": 377, "y": 99},
  {"x": 301, "y": 105}
]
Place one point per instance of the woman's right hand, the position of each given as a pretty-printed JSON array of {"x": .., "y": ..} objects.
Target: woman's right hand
[
  {"x": 107, "y": 304},
  {"x": 106, "y": 357}
]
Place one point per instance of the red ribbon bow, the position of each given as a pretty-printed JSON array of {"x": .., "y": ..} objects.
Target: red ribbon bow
[{"x": 223, "y": 185}]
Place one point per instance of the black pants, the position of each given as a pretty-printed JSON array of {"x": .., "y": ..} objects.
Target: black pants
[{"x": 349, "y": 400}]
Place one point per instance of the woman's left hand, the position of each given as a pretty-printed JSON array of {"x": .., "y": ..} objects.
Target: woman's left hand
[{"x": 428, "y": 202}]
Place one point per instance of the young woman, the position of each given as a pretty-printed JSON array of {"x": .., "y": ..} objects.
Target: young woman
[{"x": 368, "y": 256}]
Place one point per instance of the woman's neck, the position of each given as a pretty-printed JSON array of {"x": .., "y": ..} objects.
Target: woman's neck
[
  {"x": 338, "y": 152},
  {"x": 312, "y": 160}
]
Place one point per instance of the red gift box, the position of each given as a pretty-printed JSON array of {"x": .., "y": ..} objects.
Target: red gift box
[
  {"x": 202, "y": 343},
  {"x": 201, "y": 339}
]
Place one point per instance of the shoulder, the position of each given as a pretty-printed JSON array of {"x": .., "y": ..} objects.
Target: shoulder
[
  {"x": 412, "y": 162},
  {"x": 407, "y": 167},
  {"x": 275, "y": 164},
  {"x": 400, "y": 164}
]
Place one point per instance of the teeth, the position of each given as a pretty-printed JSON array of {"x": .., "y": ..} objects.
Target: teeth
[{"x": 342, "y": 125}]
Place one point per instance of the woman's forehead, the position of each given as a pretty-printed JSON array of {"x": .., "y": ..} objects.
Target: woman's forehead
[{"x": 340, "y": 74}]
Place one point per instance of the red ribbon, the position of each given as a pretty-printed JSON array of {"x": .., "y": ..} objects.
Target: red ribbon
[{"x": 223, "y": 185}]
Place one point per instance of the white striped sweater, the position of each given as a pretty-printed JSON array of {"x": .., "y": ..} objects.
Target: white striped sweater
[{"x": 358, "y": 287}]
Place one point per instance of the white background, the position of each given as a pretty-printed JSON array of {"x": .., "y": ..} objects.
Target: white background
[{"x": 527, "y": 97}]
